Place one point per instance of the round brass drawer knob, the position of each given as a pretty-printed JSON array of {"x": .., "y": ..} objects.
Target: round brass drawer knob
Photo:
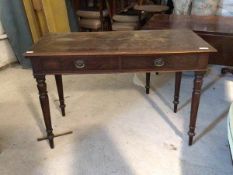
[
  {"x": 79, "y": 64},
  {"x": 159, "y": 62}
]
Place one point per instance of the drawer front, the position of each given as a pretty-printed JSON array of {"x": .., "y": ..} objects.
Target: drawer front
[
  {"x": 165, "y": 63},
  {"x": 79, "y": 65},
  {"x": 69, "y": 65}
]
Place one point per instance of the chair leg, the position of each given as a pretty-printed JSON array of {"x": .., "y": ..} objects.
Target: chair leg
[
  {"x": 226, "y": 70},
  {"x": 147, "y": 82},
  {"x": 177, "y": 90}
]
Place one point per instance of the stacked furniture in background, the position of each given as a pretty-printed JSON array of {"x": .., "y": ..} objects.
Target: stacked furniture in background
[
  {"x": 132, "y": 17},
  {"x": 126, "y": 19},
  {"x": 95, "y": 16},
  {"x": 146, "y": 11}
]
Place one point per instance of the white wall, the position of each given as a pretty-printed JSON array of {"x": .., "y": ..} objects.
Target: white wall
[{"x": 6, "y": 54}]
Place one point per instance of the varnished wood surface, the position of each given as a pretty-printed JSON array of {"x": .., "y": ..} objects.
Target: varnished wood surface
[
  {"x": 216, "y": 30},
  {"x": 207, "y": 24},
  {"x": 110, "y": 64},
  {"x": 117, "y": 52},
  {"x": 120, "y": 43}
]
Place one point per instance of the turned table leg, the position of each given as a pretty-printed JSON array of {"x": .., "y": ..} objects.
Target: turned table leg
[
  {"x": 44, "y": 101},
  {"x": 147, "y": 83},
  {"x": 177, "y": 90},
  {"x": 59, "y": 84},
  {"x": 198, "y": 80}
]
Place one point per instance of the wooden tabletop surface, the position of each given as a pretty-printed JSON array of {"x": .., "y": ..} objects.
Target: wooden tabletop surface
[
  {"x": 206, "y": 24},
  {"x": 146, "y": 42}
]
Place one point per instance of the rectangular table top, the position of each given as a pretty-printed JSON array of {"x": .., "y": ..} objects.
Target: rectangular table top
[
  {"x": 148, "y": 42},
  {"x": 202, "y": 24}
]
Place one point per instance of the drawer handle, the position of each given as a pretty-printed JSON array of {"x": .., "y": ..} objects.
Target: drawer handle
[
  {"x": 79, "y": 64},
  {"x": 159, "y": 62}
]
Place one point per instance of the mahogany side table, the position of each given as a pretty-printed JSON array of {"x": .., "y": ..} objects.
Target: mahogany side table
[{"x": 118, "y": 52}]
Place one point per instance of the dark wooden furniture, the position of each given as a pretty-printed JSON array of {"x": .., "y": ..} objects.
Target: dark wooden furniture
[
  {"x": 118, "y": 52},
  {"x": 95, "y": 17},
  {"x": 216, "y": 30},
  {"x": 148, "y": 10},
  {"x": 114, "y": 5}
]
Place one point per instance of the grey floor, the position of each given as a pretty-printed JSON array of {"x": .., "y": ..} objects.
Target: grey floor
[{"x": 118, "y": 129}]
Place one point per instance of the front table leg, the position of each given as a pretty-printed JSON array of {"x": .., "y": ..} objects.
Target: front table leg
[
  {"x": 198, "y": 80},
  {"x": 44, "y": 102}
]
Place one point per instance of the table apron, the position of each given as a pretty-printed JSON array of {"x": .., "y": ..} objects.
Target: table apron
[{"x": 119, "y": 64}]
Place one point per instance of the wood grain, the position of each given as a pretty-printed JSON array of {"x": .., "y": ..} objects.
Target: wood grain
[
  {"x": 120, "y": 43},
  {"x": 205, "y": 24},
  {"x": 216, "y": 30}
]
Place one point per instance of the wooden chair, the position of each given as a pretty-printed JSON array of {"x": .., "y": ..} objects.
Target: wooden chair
[
  {"x": 95, "y": 18},
  {"x": 148, "y": 9},
  {"x": 133, "y": 16},
  {"x": 126, "y": 19}
]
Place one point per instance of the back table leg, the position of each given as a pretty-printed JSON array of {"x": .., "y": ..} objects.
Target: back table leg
[
  {"x": 59, "y": 84},
  {"x": 147, "y": 82},
  {"x": 177, "y": 90},
  {"x": 44, "y": 102},
  {"x": 195, "y": 104}
]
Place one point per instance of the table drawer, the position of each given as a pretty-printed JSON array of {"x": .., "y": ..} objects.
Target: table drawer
[
  {"x": 166, "y": 63},
  {"x": 85, "y": 64}
]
